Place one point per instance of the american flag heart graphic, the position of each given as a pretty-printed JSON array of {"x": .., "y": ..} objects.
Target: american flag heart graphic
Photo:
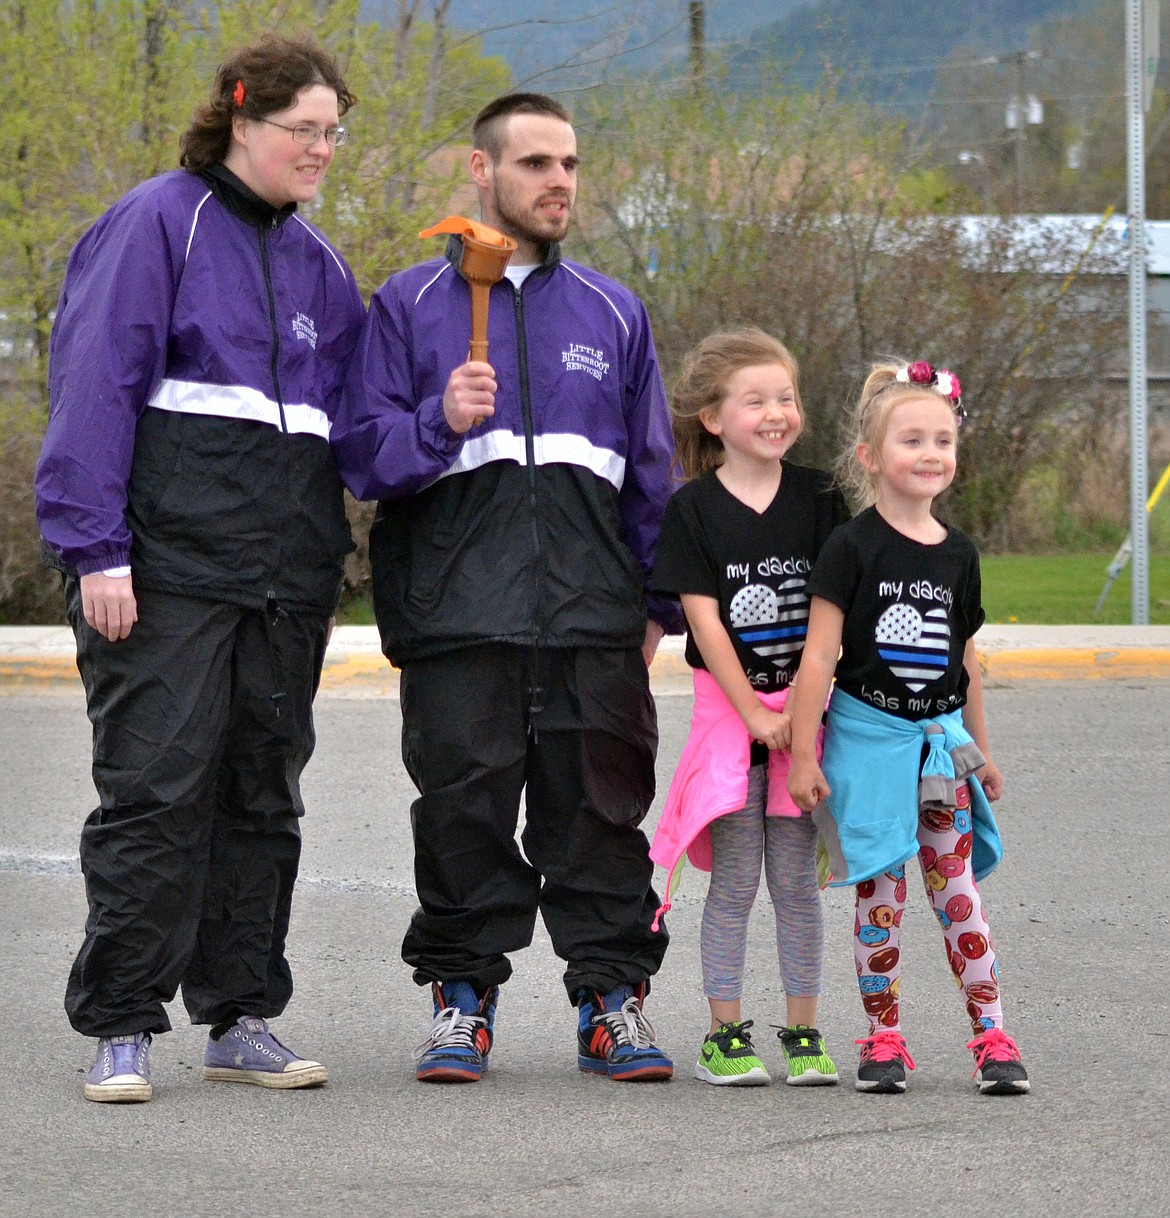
[
  {"x": 915, "y": 647},
  {"x": 773, "y": 623}
]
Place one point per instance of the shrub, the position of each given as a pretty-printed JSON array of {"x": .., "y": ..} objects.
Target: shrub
[
  {"x": 790, "y": 213},
  {"x": 29, "y": 592}
]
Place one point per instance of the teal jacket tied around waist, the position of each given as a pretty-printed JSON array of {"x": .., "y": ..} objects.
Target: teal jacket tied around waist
[{"x": 879, "y": 783}]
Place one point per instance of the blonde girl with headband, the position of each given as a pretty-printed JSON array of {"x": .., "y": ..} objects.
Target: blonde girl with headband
[
  {"x": 737, "y": 544},
  {"x": 907, "y": 768}
]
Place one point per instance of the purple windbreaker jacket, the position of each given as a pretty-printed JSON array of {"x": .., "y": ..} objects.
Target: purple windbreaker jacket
[
  {"x": 539, "y": 525},
  {"x": 196, "y": 364}
]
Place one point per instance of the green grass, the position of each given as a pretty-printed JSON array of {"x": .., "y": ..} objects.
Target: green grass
[
  {"x": 1039, "y": 590},
  {"x": 355, "y": 610},
  {"x": 1025, "y": 589},
  {"x": 1062, "y": 589}
]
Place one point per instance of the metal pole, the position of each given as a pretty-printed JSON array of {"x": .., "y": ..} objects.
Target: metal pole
[
  {"x": 1138, "y": 424},
  {"x": 1122, "y": 556}
]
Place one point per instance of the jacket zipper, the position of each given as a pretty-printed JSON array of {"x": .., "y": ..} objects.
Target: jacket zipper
[
  {"x": 529, "y": 431},
  {"x": 273, "y": 604},
  {"x": 264, "y": 262}
]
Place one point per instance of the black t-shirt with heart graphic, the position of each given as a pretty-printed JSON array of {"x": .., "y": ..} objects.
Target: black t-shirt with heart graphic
[
  {"x": 909, "y": 611},
  {"x": 755, "y": 564}
]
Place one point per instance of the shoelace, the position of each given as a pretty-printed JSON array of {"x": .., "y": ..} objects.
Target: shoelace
[
  {"x": 800, "y": 1042},
  {"x": 996, "y": 1044},
  {"x": 628, "y": 1026},
  {"x": 453, "y": 1029},
  {"x": 731, "y": 1031},
  {"x": 886, "y": 1046}
]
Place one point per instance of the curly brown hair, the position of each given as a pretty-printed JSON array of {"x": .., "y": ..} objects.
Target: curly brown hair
[
  {"x": 702, "y": 386},
  {"x": 272, "y": 71}
]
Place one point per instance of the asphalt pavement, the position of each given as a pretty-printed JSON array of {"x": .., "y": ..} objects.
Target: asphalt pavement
[{"x": 1080, "y": 725}]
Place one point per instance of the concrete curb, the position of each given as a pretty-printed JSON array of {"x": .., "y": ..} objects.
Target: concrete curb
[{"x": 354, "y": 665}]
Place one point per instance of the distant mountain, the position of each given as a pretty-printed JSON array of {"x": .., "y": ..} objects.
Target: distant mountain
[
  {"x": 889, "y": 51},
  {"x": 553, "y": 44}
]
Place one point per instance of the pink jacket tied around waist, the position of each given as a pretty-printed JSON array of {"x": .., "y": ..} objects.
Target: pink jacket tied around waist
[{"x": 712, "y": 780}]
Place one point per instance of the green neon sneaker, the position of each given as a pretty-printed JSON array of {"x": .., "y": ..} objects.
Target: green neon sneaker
[
  {"x": 727, "y": 1058},
  {"x": 809, "y": 1063}
]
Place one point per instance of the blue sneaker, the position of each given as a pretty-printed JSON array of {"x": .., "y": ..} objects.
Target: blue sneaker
[
  {"x": 456, "y": 1048},
  {"x": 248, "y": 1053},
  {"x": 616, "y": 1039},
  {"x": 121, "y": 1071}
]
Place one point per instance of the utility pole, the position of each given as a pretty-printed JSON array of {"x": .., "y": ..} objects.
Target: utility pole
[
  {"x": 1021, "y": 108},
  {"x": 698, "y": 21}
]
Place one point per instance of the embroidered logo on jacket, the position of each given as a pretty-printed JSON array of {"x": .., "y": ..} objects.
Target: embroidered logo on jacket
[
  {"x": 305, "y": 329},
  {"x": 579, "y": 358}
]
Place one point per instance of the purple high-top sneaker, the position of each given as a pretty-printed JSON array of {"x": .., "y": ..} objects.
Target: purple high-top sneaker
[{"x": 248, "y": 1053}]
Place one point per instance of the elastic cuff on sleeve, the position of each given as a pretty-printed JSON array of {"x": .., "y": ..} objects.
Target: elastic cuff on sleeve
[
  {"x": 103, "y": 563},
  {"x": 439, "y": 436},
  {"x": 667, "y": 613}
]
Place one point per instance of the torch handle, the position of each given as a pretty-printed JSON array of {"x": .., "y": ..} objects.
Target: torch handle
[
  {"x": 478, "y": 349},
  {"x": 480, "y": 293}
]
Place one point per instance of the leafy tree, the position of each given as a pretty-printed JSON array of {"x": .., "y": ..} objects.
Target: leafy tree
[
  {"x": 135, "y": 71},
  {"x": 101, "y": 89},
  {"x": 96, "y": 113}
]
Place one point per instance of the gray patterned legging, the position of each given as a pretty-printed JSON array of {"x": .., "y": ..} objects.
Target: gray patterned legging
[{"x": 786, "y": 845}]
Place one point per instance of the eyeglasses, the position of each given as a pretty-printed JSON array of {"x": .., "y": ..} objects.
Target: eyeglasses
[{"x": 310, "y": 133}]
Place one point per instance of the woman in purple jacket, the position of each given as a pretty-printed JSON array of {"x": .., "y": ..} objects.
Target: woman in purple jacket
[{"x": 187, "y": 493}]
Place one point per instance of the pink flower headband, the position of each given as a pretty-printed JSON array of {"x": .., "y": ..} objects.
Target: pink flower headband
[{"x": 942, "y": 380}]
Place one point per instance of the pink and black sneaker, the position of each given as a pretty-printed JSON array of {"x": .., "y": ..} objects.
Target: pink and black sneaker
[
  {"x": 884, "y": 1062},
  {"x": 998, "y": 1069}
]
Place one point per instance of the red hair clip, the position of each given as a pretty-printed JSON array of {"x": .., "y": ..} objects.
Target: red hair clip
[{"x": 239, "y": 94}]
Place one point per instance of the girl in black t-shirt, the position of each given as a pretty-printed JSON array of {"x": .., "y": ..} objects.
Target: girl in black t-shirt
[
  {"x": 895, "y": 606},
  {"x": 736, "y": 546}
]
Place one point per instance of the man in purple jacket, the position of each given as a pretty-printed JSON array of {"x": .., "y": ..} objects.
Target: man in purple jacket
[{"x": 521, "y": 502}]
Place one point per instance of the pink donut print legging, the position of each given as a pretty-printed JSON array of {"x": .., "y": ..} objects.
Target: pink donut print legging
[{"x": 944, "y": 841}]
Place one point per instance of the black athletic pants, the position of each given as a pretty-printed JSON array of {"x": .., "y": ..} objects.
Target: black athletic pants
[
  {"x": 575, "y": 731},
  {"x": 202, "y": 725}
]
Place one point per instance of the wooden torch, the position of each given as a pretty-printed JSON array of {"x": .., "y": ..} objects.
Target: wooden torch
[{"x": 482, "y": 263}]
